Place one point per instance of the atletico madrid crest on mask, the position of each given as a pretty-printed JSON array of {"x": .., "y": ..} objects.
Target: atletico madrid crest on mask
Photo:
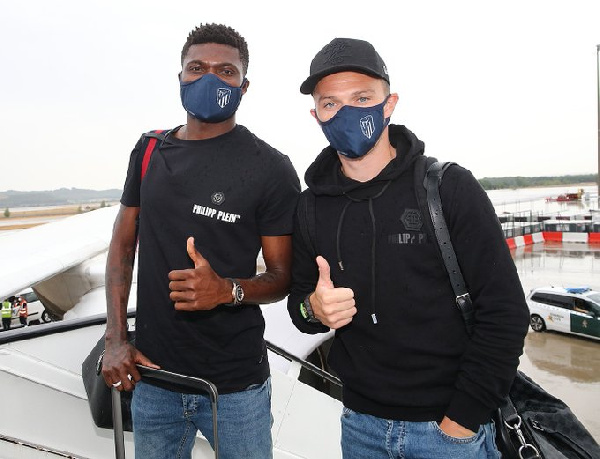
[
  {"x": 367, "y": 126},
  {"x": 223, "y": 96},
  {"x": 354, "y": 131}
]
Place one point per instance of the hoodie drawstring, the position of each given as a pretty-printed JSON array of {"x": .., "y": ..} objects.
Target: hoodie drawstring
[
  {"x": 373, "y": 243},
  {"x": 373, "y": 258},
  {"x": 338, "y": 234}
]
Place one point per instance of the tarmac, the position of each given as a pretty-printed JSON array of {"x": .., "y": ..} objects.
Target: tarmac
[{"x": 566, "y": 366}]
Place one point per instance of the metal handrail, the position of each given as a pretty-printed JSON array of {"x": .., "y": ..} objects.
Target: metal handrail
[{"x": 309, "y": 366}]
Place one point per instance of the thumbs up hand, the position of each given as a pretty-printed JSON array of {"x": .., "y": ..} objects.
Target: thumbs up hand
[
  {"x": 199, "y": 288},
  {"x": 197, "y": 258},
  {"x": 333, "y": 306}
]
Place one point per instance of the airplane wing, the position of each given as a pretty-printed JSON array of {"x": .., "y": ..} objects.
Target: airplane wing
[
  {"x": 36, "y": 254},
  {"x": 64, "y": 262}
]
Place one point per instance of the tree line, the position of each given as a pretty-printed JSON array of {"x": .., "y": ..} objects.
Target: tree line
[
  {"x": 499, "y": 183},
  {"x": 63, "y": 196}
]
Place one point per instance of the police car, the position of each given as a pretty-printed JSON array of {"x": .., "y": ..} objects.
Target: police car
[{"x": 568, "y": 310}]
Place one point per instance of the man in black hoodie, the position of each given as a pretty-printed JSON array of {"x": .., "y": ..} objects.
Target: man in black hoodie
[{"x": 415, "y": 384}]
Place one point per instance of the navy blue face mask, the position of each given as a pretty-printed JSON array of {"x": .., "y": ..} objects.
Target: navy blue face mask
[
  {"x": 210, "y": 99},
  {"x": 354, "y": 131}
]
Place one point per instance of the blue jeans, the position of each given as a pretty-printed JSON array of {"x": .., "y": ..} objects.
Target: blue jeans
[
  {"x": 365, "y": 436},
  {"x": 165, "y": 422}
]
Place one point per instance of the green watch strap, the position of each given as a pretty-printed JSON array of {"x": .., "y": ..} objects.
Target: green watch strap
[
  {"x": 307, "y": 312},
  {"x": 303, "y": 311}
]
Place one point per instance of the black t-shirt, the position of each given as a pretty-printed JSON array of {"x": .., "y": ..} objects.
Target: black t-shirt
[{"x": 226, "y": 192}]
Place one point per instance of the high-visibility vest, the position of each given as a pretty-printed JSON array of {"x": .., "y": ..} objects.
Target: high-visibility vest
[
  {"x": 6, "y": 310},
  {"x": 23, "y": 309}
]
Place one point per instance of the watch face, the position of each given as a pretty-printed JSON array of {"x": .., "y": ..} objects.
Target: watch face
[{"x": 239, "y": 293}]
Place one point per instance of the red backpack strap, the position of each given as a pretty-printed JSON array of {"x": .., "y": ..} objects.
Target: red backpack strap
[
  {"x": 150, "y": 138},
  {"x": 153, "y": 137}
]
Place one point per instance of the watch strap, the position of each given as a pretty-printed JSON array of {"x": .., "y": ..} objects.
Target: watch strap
[{"x": 307, "y": 312}]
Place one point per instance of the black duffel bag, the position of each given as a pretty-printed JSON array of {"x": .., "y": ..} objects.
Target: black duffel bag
[{"x": 534, "y": 424}]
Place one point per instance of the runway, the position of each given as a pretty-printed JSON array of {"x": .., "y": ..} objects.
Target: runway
[{"x": 565, "y": 365}]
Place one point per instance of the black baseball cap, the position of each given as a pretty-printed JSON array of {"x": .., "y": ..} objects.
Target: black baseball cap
[{"x": 342, "y": 55}]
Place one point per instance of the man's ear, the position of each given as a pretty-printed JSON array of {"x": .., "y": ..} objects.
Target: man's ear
[
  {"x": 245, "y": 85},
  {"x": 179, "y": 76},
  {"x": 313, "y": 112},
  {"x": 390, "y": 105}
]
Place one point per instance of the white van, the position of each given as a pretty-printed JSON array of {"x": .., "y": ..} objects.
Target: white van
[{"x": 568, "y": 310}]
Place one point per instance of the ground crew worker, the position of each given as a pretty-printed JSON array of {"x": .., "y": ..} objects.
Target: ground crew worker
[
  {"x": 23, "y": 313},
  {"x": 6, "y": 314}
]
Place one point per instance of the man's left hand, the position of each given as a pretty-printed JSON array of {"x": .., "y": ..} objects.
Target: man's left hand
[
  {"x": 454, "y": 429},
  {"x": 199, "y": 288}
]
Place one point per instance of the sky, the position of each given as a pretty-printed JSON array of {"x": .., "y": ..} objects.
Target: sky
[{"x": 504, "y": 88}]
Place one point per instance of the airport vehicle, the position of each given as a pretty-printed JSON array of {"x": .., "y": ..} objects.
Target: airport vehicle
[{"x": 573, "y": 310}]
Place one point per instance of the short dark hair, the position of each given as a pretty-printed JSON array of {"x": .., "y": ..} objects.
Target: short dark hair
[{"x": 220, "y": 34}]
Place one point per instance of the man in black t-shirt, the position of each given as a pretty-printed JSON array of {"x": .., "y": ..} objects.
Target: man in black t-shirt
[{"x": 213, "y": 196}]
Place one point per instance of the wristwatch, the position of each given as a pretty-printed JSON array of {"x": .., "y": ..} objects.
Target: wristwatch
[
  {"x": 237, "y": 293},
  {"x": 307, "y": 312}
]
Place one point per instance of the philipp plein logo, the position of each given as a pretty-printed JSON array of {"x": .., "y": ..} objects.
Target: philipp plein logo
[
  {"x": 411, "y": 219},
  {"x": 218, "y": 198}
]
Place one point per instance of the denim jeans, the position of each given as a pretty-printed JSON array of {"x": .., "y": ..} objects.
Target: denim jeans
[
  {"x": 368, "y": 437},
  {"x": 165, "y": 422}
]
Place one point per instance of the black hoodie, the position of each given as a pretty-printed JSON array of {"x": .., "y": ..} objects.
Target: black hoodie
[{"x": 406, "y": 355}]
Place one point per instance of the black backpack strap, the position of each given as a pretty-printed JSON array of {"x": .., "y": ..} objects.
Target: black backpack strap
[
  {"x": 432, "y": 182},
  {"x": 307, "y": 220},
  {"x": 422, "y": 163}
]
